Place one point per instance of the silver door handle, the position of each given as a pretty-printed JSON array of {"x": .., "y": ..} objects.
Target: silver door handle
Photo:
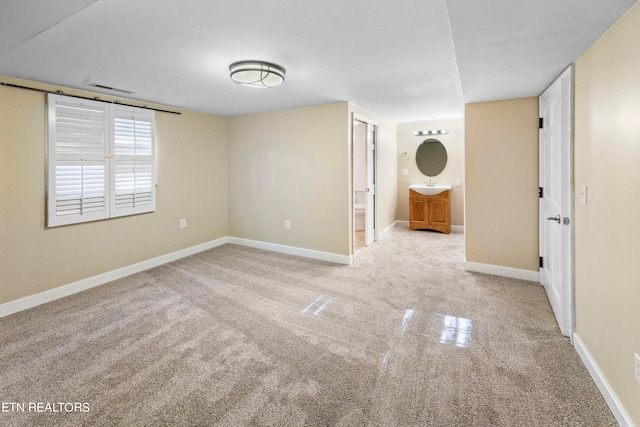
[{"x": 554, "y": 218}]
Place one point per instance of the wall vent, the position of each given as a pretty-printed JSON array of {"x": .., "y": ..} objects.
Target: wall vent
[{"x": 110, "y": 88}]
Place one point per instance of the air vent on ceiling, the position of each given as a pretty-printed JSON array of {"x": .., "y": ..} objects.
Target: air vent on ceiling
[{"x": 113, "y": 89}]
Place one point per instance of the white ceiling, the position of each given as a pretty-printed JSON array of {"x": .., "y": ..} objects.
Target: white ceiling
[{"x": 403, "y": 59}]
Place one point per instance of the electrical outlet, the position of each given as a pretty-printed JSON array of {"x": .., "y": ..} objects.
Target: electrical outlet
[
  {"x": 183, "y": 223},
  {"x": 637, "y": 365},
  {"x": 287, "y": 224}
]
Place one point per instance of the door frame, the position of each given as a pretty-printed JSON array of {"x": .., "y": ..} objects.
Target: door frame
[
  {"x": 352, "y": 229},
  {"x": 567, "y": 249}
]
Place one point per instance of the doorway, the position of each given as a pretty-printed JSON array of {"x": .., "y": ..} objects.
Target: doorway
[
  {"x": 364, "y": 183},
  {"x": 556, "y": 199}
]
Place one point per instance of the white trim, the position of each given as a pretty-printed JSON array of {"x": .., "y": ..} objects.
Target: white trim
[
  {"x": 292, "y": 250},
  {"x": 497, "y": 270},
  {"x": 365, "y": 119},
  {"x": 606, "y": 390},
  {"x": 457, "y": 229},
  {"x": 387, "y": 230},
  {"x": 31, "y": 301},
  {"x": 376, "y": 167}
]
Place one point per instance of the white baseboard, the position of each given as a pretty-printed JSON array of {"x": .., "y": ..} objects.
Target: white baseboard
[
  {"x": 387, "y": 230},
  {"x": 292, "y": 250},
  {"x": 31, "y": 301},
  {"x": 607, "y": 392},
  {"x": 497, "y": 270}
]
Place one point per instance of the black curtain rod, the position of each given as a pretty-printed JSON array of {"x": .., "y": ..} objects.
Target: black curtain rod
[{"x": 59, "y": 92}]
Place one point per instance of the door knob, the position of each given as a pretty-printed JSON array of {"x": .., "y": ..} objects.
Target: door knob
[{"x": 554, "y": 218}]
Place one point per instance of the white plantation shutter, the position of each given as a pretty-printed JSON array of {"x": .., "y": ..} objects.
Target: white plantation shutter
[
  {"x": 78, "y": 149},
  {"x": 101, "y": 160},
  {"x": 132, "y": 165}
]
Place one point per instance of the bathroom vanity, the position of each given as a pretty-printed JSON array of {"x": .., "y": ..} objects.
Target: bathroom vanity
[
  {"x": 430, "y": 204},
  {"x": 430, "y": 211}
]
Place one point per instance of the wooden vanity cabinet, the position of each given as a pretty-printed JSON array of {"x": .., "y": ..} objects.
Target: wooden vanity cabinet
[{"x": 430, "y": 212}]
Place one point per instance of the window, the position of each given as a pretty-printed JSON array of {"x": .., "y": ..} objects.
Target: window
[{"x": 101, "y": 160}]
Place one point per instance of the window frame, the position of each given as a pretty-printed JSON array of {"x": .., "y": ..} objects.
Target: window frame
[{"x": 78, "y": 146}]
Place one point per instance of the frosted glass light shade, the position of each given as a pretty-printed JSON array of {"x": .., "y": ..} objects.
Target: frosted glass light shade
[{"x": 257, "y": 73}]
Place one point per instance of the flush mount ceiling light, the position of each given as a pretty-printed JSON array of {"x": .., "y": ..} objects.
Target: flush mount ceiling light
[
  {"x": 257, "y": 73},
  {"x": 431, "y": 132}
]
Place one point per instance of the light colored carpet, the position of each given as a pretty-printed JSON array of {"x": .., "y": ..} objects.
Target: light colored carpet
[{"x": 239, "y": 336}]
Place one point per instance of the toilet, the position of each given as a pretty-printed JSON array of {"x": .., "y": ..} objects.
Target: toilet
[{"x": 360, "y": 209}]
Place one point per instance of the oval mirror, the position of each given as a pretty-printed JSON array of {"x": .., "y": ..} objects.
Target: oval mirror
[{"x": 431, "y": 157}]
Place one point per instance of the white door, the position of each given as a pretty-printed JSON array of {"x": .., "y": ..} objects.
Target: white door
[
  {"x": 556, "y": 202},
  {"x": 370, "y": 211}
]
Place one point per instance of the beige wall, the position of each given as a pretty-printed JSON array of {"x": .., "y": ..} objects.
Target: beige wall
[
  {"x": 454, "y": 143},
  {"x": 291, "y": 164},
  {"x": 501, "y": 183},
  {"x": 296, "y": 165},
  {"x": 192, "y": 166},
  {"x": 607, "y": 229},
  {"x": 387, "y": 189}
]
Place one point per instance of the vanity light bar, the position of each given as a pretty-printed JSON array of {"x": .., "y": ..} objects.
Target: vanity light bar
[{"x": 431, "y": 132}]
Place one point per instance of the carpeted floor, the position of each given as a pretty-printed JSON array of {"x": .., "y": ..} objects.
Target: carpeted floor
[{"x": 238, "y": 336}]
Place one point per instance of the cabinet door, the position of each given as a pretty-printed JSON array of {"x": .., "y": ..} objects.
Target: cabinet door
[
  {"x": 438, "y": 211},
  {"x": 418, "y": 212}
]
